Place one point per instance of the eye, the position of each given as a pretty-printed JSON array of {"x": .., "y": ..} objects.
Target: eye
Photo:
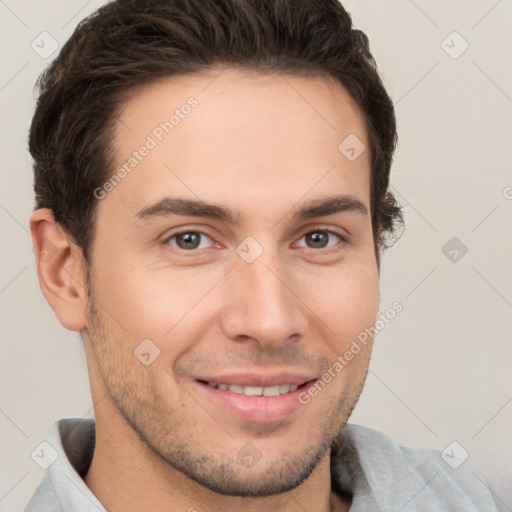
[
  {"x": 188, "y": 240},
  {"x": 320, "y": 239}
]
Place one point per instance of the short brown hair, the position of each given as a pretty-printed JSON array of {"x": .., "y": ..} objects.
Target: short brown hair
[{"x": 127, "y": 43}]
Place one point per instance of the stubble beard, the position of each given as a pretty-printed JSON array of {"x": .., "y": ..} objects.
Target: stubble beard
[{"x": 172, "y": 442}]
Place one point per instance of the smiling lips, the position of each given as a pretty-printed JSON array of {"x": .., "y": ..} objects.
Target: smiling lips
[{"x": 256, "y": 398}]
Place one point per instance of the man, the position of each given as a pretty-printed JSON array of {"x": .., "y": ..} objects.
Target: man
[{"x": 212, "y": 196}]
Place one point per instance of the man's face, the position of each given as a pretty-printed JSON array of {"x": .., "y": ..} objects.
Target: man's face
[{"x": 262, "y": 297}]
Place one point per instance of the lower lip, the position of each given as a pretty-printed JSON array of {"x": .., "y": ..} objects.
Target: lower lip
[{"x": 258, "y": 409}]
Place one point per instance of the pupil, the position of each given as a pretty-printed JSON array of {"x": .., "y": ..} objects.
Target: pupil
[
  {"x": 190, "y": 240},
  {"x": 318, "y": 239}
]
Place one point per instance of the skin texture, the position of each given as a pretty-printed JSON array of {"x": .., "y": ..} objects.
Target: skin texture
[{"x": 261, "y": 146}]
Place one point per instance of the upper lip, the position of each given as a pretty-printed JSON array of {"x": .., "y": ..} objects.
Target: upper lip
[{"x": 260, "y": 380}]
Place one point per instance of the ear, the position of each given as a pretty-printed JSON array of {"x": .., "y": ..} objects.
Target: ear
[{"x": 59, "y": 269}]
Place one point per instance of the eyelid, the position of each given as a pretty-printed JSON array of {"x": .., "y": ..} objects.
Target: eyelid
[
  {"x": 303, "y": 232},
  {"x": 342, "y": 233},
  {"x": 342, "y": 238},
  {"x": 188, "y": 229}
]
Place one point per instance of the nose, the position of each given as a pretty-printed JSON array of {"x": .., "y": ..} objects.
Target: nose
[{"x": 263, "y": 303}]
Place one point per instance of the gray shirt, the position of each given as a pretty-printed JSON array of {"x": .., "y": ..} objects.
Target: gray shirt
[{"x": 378, "y": 473}]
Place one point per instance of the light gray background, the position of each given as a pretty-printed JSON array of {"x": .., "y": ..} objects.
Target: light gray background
[{"x": 441, "y": 370}]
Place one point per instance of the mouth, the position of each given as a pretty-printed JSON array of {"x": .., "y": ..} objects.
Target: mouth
[
  {"x": 278, "y": 389},
  {"x": 255, "y": 403}
]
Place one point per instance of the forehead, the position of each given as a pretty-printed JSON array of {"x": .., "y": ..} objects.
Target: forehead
[{"x": 237, "y": 134}]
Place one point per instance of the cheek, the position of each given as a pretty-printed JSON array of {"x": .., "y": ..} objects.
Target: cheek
[
  {"x": 346, "y": 299},
  {"x": 154, "y": 303}
]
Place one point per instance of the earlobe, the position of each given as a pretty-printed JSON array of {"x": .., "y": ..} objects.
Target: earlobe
[{"x": 59, "y": 269}]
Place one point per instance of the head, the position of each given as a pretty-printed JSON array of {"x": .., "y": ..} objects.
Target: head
[{"x": 209, "y": 225}]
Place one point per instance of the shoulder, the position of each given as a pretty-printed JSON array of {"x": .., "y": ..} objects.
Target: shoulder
[
  {"x": 66, "y": 456},
  {"x": 394, "y": 476},
  {"x": 44, "y": 498}
]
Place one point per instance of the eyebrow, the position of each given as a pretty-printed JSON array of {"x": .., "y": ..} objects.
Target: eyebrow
[{"x": 196, "y": 208}]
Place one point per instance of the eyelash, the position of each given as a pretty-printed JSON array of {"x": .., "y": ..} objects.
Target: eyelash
[{"x": 199, "y": 232}]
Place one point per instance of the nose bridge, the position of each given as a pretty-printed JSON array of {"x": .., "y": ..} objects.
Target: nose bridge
[{"x": 260, "y": 303}]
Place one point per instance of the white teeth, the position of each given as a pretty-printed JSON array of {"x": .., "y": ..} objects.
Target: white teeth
[
  {"x": 253, "y": 391},
  {"x": 284, "y": 388},
  {"x": 271, "y": 391},
  {"x": 256, "y": 390}
]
